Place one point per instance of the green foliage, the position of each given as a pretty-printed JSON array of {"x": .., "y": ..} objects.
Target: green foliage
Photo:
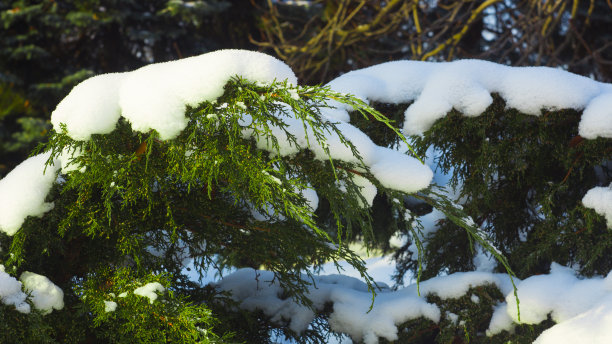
[
  {"x": 11, "y": 101},
  {"x": 523, "y": 178},
  {"x": 131, "y": 208},
  {"x": 19, "y": 132},
  {"x": 16, "y": 327},
  {"x": 170, "y": 318},
  {"x": 210, "y": 168}
]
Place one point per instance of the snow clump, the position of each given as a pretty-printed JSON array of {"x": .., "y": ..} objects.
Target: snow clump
[
  {"x": 435, "y": 88},
  {"x": 11, "y": 293},
  {"x": 582, "y": 308},
  {"x": 600, "y": 199},
  {"x": 45, "y": 295},
  {"x": 110, "y": 306},
  {"x": 91, "y": 107},
  {"x": 23, "y": 192},
  {"x": 157, "y": 95},
  {"x": 149, "y": 290}
]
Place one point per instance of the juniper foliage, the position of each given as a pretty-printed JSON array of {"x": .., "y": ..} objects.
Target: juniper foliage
[{"x": 133, "y": 207}]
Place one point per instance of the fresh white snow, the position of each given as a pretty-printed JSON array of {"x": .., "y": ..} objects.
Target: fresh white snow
[
  {"x": 11, "y": 293},
  {"x": 45, "y": 295},
  {"x": 150, "y": 291},
  {"x": 466, "y": 85},
  {"x": 91, "y": 107},
  {"x": 351, "y": 300},
  {"x": 23, "y": 192},
  {"x": 391, "y": 168},
  {"x": 155, "y": 96},
  {"x": 582, "y": 307},
  {"x": 592, "y": 325},
  {"x": 600, "y": 199},
  {"x": 110, "y": 306}
]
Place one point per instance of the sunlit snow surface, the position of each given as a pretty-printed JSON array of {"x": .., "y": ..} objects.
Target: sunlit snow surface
[
  {"x": 466, "y": 85},
  {"x": 23, "y": 192},
  {"x": 45, "y": 295},
  {"x": 150, "y": 291},
  {"x": 581, "y": 307},
  {"x": 600, "y": 199},
  {"x": 39, "y": 290}
]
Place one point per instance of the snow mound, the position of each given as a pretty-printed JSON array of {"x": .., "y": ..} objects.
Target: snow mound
[
  {"x": 45, "y": 295},
  {"x": 582, "y": 308},
  {"x": 351, "y": 301},
  {"x": 150, "y": 291},
  {"x": 23, "y": 192},
  {"x": 92, "y": 107},
  {"x": 466, "y": 85},
  {"x": 600, "y": 199},
  {"x": 10, "y": 292},
  {"x": 110, "y": 306},
  {"x": 156, "y": 96},
  {"x": 594, "y": 324}
]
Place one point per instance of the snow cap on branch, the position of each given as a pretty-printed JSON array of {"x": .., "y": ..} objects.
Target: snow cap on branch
[
  {"x": 156, "y": 96},
  {"x": 92, "y": 107},
  {"x": 466, "y": 85},
  {"x": 23, "y": 192},
  {"x": 46, "y": 296},
  {"x": 351, "y": 300},
  {"x": 582, "y": 308},
  {"x": 150, "y": 291},
  {"x": 600, "y": 199}
]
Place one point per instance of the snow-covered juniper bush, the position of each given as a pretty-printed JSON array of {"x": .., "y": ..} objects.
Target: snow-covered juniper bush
[{"x": 222, "y": 162}]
